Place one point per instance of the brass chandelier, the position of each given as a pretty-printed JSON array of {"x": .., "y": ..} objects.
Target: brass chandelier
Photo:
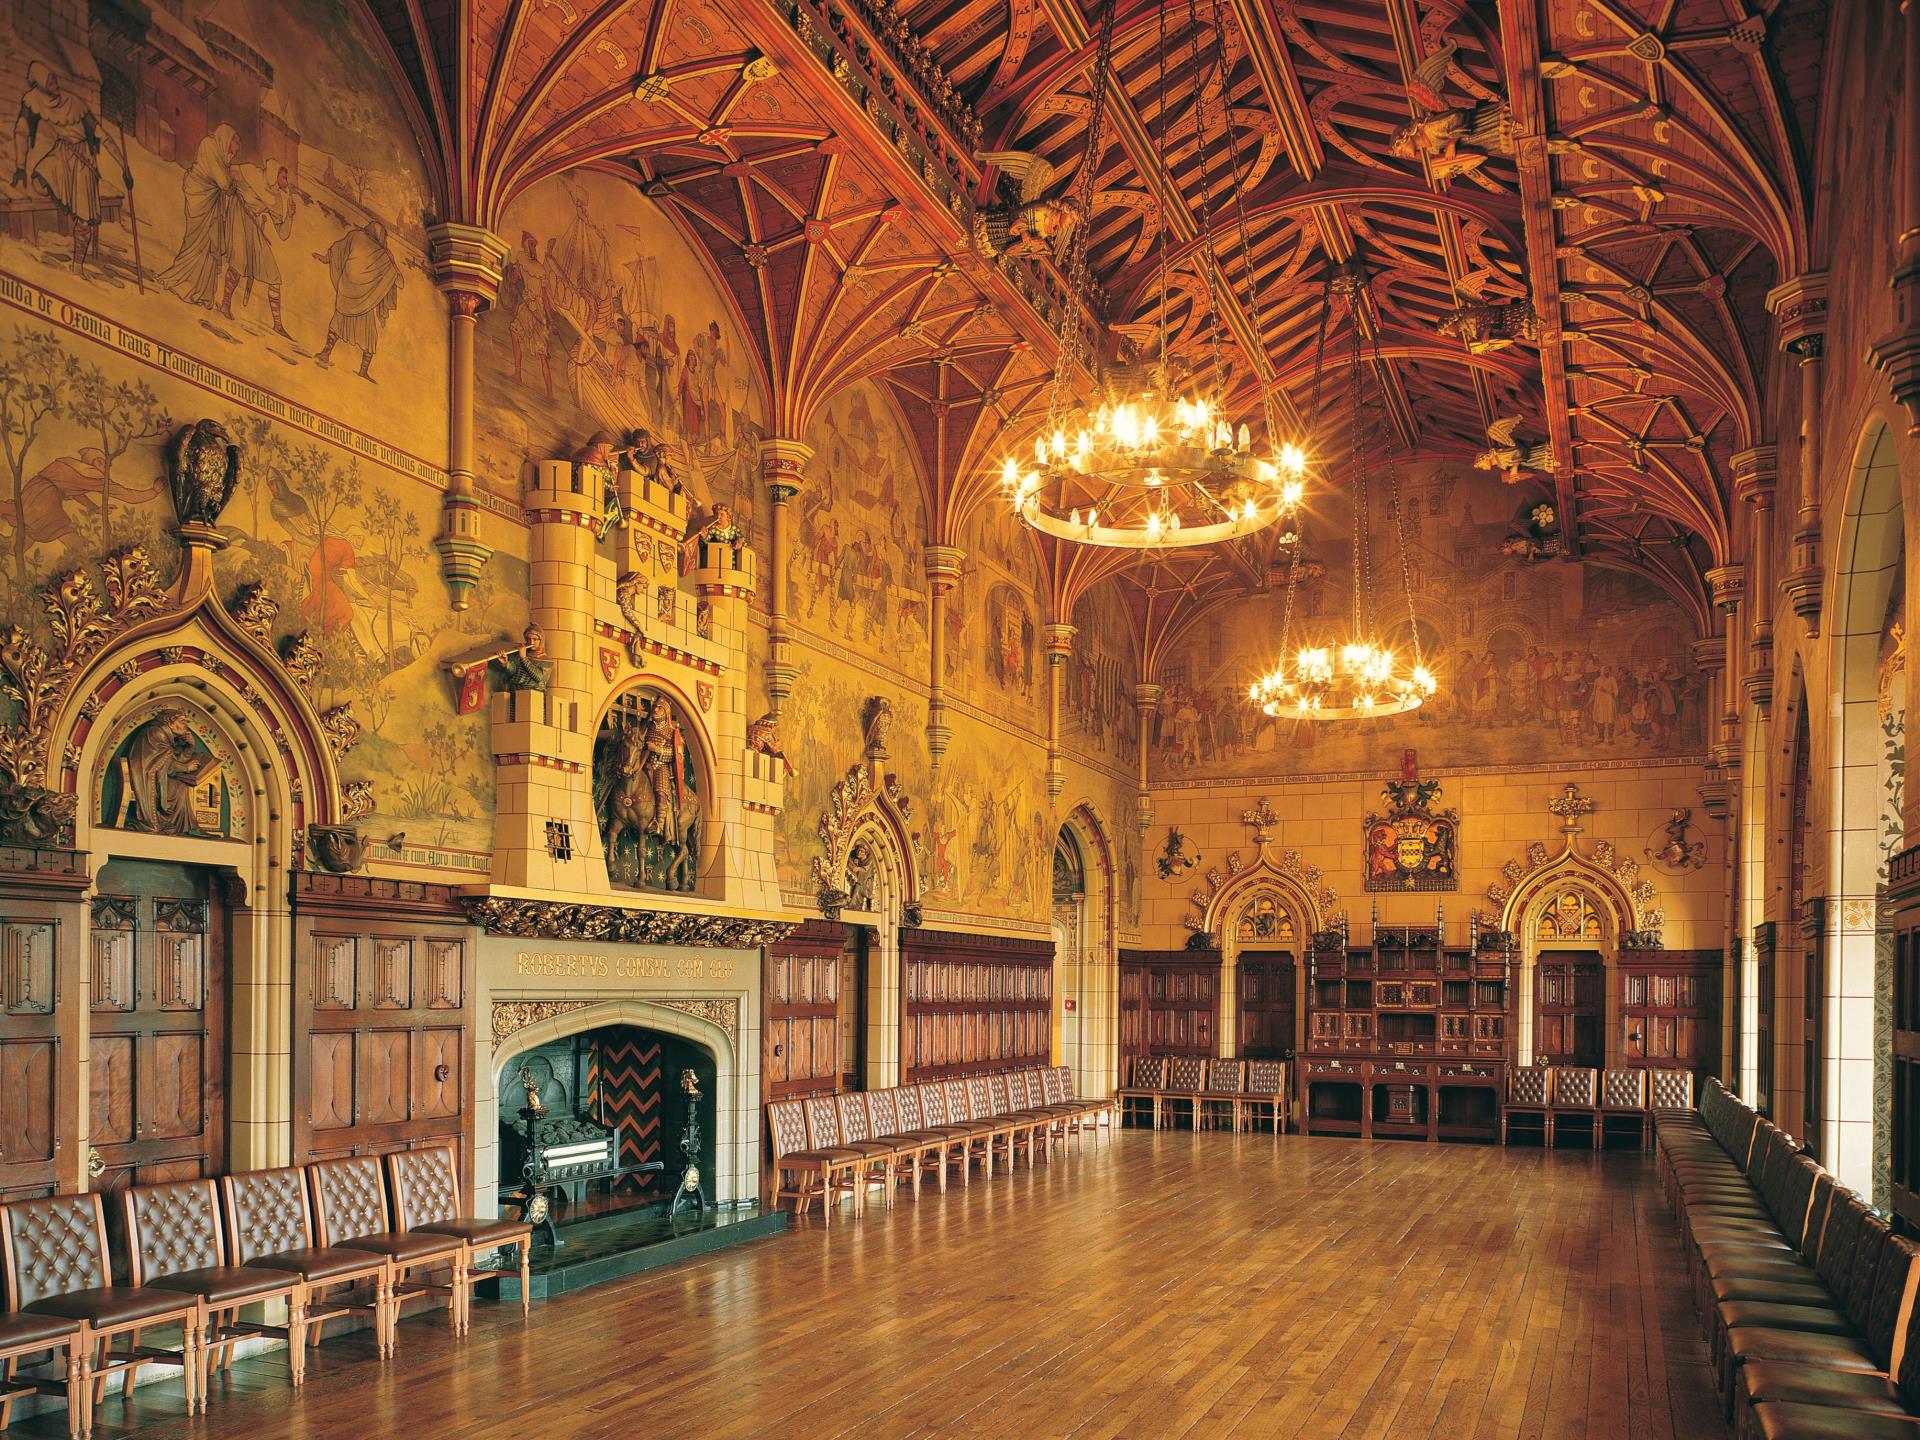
[
  {"x": 1154, "y": 466},
  {"x": 1357, "y": 676}
]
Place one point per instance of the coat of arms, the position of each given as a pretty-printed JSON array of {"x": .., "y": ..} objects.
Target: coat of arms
[
  {"x": 1413, "y": 845},
  {"x": 609, "y": 662},
  {"x": 705, "y": 689}
]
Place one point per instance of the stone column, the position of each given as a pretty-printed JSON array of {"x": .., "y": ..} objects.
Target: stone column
[
  {"x": 783, "y": 466},
  {"x": 1146, "y": 699},
  {"x": 1754, "y": 473},
  {"x": 943, "y": 573},
  {"x": 1059, "y": 645},
  {"x": 1729, "y": 584},
  {"x": 1800, "y": 313},
  {"x": 468, "y": 262},
  {"x": 1709, "y": 656}
]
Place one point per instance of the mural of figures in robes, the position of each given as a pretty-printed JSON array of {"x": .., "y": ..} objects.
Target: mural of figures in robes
[
  {"x": 366, "y": 278},
  {"x": 58, "y": 144}
]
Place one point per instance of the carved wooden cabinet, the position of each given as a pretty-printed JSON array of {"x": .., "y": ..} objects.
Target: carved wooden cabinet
[
  {"x": 41, "y": 1024},
  {"x": 800, "y": 1011},
  {"x": 1670, "y": 1009},
  {"x": 973, "y": 1003},
  {"x": 382, "y": 1016},
  {"x": 1169, "y": 1003}
]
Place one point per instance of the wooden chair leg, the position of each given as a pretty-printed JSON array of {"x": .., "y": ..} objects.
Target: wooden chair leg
[
  {"x": 209, "y": 1326},
  {"x": 297, "y": 1337}
]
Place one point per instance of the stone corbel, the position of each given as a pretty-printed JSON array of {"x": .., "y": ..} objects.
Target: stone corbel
[
  {"x": 1058, "y": 643},
  {"x": 1755, "y": 473},
  {"x": 944, "y": 564},
  {"x": 1800, "y": 315}
]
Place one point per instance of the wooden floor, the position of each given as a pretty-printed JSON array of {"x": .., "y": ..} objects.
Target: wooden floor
[{"x": 1170, "y": 1285}]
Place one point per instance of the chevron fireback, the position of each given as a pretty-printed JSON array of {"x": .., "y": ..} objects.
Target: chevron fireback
[{"x": 623, "y": 1086}]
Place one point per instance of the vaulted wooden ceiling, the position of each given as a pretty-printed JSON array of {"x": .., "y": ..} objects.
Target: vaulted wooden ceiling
[{"x": 1636, "y": 172}]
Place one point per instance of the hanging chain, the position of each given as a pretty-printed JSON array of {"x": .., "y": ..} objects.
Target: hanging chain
[
  {"x": 1077, "y": 243},
  {"x": 1361, "y": 515},
  {"x": 1166, "y": 327},
  {"x": 1210, "y": 264}
]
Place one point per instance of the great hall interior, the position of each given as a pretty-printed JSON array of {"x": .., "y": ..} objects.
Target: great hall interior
[{"x": 930, "y": 717}]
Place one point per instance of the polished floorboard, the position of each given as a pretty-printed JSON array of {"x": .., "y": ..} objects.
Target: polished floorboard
[{"x": 1170, "y": 1284}]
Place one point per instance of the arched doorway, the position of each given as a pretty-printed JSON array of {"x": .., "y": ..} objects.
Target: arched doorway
[
  {"x": 1570, "y": 919},
  {"x": 1849, "y": 1080},
  {"x": 1086, "y": 1013},
  {"x": 1266, "y": 940}
]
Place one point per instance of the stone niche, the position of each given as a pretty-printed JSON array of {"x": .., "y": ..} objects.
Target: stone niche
[{"x": 532, "y": 992}]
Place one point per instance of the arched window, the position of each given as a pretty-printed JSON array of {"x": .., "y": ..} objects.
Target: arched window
[{"x": 1569, "y": 915}]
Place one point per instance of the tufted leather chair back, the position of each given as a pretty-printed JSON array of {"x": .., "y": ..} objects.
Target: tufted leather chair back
[
  {"x": 823, "y": 1121},
  {"x": 1001, "y": 1096},
  {"x": 171, "y": 1228},
  {"x": 1036, "y": 1088},
  {"x": 933, "y": 1104},
  {"x": 1891, "y": 1283},
  {"x": 1051, "y": 1087},
  {"x": 980, "y": 1099},
  {"x": 1527, "y": 1085},
  {"x": 907, "y": 1101},
  {"x": 1066, "y": 1081},
  {"x": 959, "y": 1103},
  {"x": 53, "y": 1246},
  {"x": 1186, "y": 1074},
  {"x": 1266, "y": 1077},
  {"x": 853, "y": 1118},
  {"x": 1228, "y": 1077},
  {"x": 1149, "y": 1072},
  {"x": 1575, "y": 1085},
  {"x": 883, "y": 1109},
  {"x": 426, "y": 1186},
  {"x": 1672, "y": 1089},
  {"x": 266, "y": 1213},
  {"x": 788, "y": 1124},
  {"x": 349, "y": 1199},
  {"x": 1624, "y": 1089}
]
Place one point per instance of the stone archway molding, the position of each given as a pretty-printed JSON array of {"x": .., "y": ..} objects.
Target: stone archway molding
[
  {"x": 867, "y": 808},
  {"x": 1285, "y": 870},
  {"x": 1613, "y": 878}
]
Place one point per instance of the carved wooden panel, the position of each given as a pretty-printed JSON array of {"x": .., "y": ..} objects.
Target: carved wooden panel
[
  {"x": 382, "y": 1016},
  {"x": 180, "y": 972},
  {"x": 1903, "y": 896},
  {"x": 331, "y": 1078},
  {"x": 26, "y": 967},
  {"x": 112, "y": 1075},
  {"x": 110, "y": 973},
  {"x": 27, "y": 1107},
  {"x": 333, "y": 972},
  {"x": 445, "y": 964},
  {"x": 974, "y": 1003},
  {"x": 1178, "y": 1000},
  {"x": 1266, "y": 986},
  {"x": 1670, "y": 1009},
  {"x": 392, "y": 981},
  {"x": 437, "y": 1081},
  {"x": 801, "y": 1006}
]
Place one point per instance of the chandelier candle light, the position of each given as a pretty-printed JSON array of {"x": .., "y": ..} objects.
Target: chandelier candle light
[{"x": 1361, "y": 677}]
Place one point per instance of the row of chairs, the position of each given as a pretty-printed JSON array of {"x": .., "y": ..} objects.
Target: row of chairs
[
  {"x": 1547, "y": 1095},
  {"x": 1214, "y": 1092},
  {"x": 1806, "y": 1295},
  {"x": 358, "y": 1235},
  {"x": 830, "y": 1146}
]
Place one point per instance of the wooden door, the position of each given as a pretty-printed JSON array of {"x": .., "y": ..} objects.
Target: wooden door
[
  {"x": 382, "y": 1026},
  {"x": 1266, "y": 983},
  {"x": 158, "y": 1021},
  {"x": 800, "y": 1011},
  {"x": 1177, "y": 1009},
  {"x": 853, "y": 1009},
  {"x": 1133, "y": 1018},
  {"x": 1570, "y": 1010}
]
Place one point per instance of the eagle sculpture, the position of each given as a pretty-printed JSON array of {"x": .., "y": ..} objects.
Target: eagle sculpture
[
  {"x": 203, "y": 467},
  {"x": 1030, "y": 223}
]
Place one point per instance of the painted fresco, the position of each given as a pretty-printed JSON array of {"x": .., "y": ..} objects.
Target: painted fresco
[
  {"x": 988, "y": 843},
  {"x": 994, "y": 659},
  {"x": 1537, "y": 662},
  {"x": 859, "y": 578},
  {"x": 169, "y": 180},
  {"x": 606, "y": 323},
  {"x": 1097, "y": 714}
]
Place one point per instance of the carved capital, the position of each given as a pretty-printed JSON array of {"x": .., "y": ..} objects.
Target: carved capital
[
  {"x": 783, "y": 466},
  {"x": 1799, "y": 310},
  {"x": 1755, "y": 472},
  {"x": 468, "y": 262},
  {"x": 1146, "y": 698},
  {"x": 944, "y": 563},
  {"x": 1729, "y": 583},
  {"x": 1709, "y": 654},
  {"x": 1058, "y": 642}
]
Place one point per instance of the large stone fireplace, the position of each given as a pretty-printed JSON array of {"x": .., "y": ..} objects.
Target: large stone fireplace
[{"x": 535, "y": 993}]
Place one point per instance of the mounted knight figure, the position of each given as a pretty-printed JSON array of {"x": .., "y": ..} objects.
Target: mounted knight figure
[{"x": 644, "y": 800}]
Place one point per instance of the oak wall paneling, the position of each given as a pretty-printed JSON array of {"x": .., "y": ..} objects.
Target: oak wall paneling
[
  {"x": 43, "y": 1021},
  {"x": 973, "y": 1004},
  {"x": 1169, "y": 1003},
  {"x": 382, "y": 1017},
  {"x": 1670, "y": 1009},
  {"x": 800, "y": 1011}
]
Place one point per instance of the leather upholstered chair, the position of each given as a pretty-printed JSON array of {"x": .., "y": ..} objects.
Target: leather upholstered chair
[
  {"x": 1529, "y": 1097},
  {"x": 1266, "y": 1092},
  {"x": 426, "y": 1201},
  {"x": 913, "y": 1148},
  {"x": 174, "y": 1243},
  {"x": 955, "y": 1134},
  {"x": 933, "y": 1157},
  {"x": 877, "y": 1156},
  {"x": 1149, "y": 1084},
  {"x": 350, "y": 1208},
  {"x": 25, "y": 1337},
  {"x": 270, "y": 1224},
  {"x": 1576, "y": 1095},
  {"x": 1097, "y": 1113},
  {"x": 1623, "y": 1098},
  {"x": 1012, "y": 1132},
  {"x": 1226, "y": 1084},
  {"x": 55, "y": 1252},
  {"x": 805, "y": 1173},
  {"x": 981, "y": 1131},
  {"x": 1186, "y": 1080},
  {"x": 1011, "y": 1105}
]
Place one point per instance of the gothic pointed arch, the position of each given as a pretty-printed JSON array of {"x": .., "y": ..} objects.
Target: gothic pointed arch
[
  {"x": 866, "y": 836},
  {"x": 1280, "y": 884}
]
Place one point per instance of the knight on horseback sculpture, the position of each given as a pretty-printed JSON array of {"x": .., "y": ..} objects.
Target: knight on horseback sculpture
[{"x": 649, "y": 814}]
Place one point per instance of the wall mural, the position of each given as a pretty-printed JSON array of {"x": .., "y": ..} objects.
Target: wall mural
[
  {"x": 993, "y": 622},
  {"x": 606, "y": 323},
  {"x": 1493, "y": 630},
  {"x": 989, "y": 838},
  {"x": 1096, "y": 709},
  {"x": 859, "y": 579}
]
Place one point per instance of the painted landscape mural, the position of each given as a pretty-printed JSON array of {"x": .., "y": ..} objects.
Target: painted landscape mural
[{"x": 1543, "y": 660}]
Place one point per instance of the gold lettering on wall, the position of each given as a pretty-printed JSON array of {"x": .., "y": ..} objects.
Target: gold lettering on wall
[{"x": 624, "y": 967}]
